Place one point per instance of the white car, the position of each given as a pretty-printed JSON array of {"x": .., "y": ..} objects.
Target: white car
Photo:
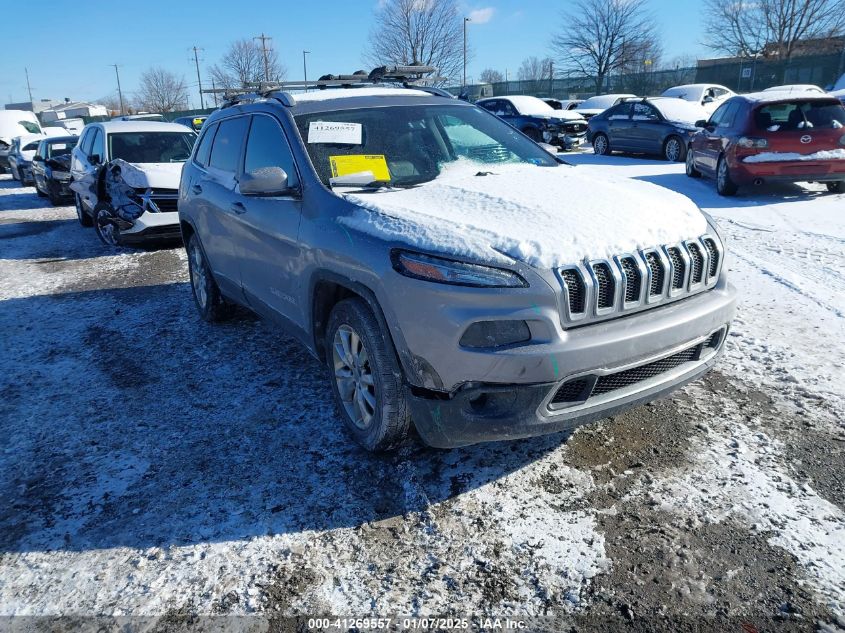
[
  {"x": 600, "y": 103},
  {"x": 708, "y": 96},
  {"x": 795, "y": 88},
  {"x": 14, "y": 123},
  {"x": 126, "y": 178}
]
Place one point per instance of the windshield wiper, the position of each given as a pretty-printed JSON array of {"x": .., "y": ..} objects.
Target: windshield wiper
[{"x": 373, "y": 185}]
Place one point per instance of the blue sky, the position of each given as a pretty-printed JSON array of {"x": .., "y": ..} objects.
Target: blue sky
[{"x": 70, "y": 44}]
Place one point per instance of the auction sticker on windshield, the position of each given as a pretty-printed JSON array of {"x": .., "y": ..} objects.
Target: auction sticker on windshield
[
  {"x": 360, "y": 163},
  {"x": 334, "y": 132}
]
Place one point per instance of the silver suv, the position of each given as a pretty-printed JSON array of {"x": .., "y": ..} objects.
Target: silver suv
[{"x": 449, "y": 271}]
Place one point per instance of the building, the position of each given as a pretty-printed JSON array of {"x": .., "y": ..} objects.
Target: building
[
  {"x": 34, "y": 106},
  {"x": 72, "y": 110}
]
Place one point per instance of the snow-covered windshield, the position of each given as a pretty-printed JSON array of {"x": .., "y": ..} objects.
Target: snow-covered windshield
[
  {"x": 532, "y": 106},
  {"x": 674, "y": 109},
  {"x": 151, "y": 147},
  {"x": 405, "y": 145}
]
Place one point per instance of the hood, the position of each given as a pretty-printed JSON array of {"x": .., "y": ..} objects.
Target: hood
[
  {"x": 150, "y": 175},
  {"x": 542, "y": 216}
]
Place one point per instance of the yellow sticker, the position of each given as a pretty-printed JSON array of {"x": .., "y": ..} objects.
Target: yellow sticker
[
  {"x": 198, "y": 121},
  {"x": 346, "y": 165}
]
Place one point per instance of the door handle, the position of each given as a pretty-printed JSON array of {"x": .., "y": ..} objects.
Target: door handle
[
  {"x": 196, "y": 189},
  {"x": 238, "y": 207}
]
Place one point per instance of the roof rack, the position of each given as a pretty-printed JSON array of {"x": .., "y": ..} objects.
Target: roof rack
[{"x": 405, "y": 76}]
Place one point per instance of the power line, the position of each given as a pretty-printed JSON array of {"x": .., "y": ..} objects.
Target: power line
[{"x": 119, "y": 91}]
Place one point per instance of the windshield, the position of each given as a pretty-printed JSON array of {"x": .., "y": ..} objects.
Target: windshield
[
  {"x": 602, "y": 102},
  {"x": 800, "y": 115},
  {"x": 151, "y": 147},
  {"x": 30, "y": 127},
  {"x": 407, "y": 145},
  {"x": 60, "y": 148}
]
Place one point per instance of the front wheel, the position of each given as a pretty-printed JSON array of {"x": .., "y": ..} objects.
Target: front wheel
[
  {"x": 834, "y": 187},
  {"x": 533, "y": 134},
  {"x": 38, "y": 191},
  {"x": 366, "y": 377},
  {"x": 724, "y": 185},
  {"x": 601, "y": 145},
  {"x": 689, "y": 163},
  {"x": 105, "y": 225},
  {"x": 674, "y": 149},
  {"x": 207, "y": 296}
]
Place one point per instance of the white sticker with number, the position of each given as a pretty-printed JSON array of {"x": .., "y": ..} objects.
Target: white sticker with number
[{"x": 334, "y": 132}]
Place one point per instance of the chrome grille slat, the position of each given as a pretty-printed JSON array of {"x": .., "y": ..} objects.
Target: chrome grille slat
[{"x": 596, "y": 290}]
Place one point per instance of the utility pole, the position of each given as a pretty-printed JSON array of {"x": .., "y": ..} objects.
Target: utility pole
[
  {"x": 264, "y": 39},
  {"x": 305, "y": 69},
  {"x": 465, "y": 51},
  {"x": 119, "y": 91},
  {"x": 199, "y": 81},
  {"x": 28, "y": 88},
  {"x": 214, "y": 91}
]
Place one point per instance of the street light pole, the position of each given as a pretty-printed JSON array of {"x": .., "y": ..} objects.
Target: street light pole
[
  {"x": 119, "y": 91},
  {"x": 305, "y": 69},
  {"x": 465, "y": 51}
]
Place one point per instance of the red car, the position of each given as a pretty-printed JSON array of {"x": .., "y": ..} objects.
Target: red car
[{"x": 771, "y": 137}]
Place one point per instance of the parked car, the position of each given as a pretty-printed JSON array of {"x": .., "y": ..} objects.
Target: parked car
[
  {"x": 563, "y": 104},
  {"x": 660, "y": 126},
  {"x": 771, "y": 137},
  {"x": 538, "y": 121},
  {"x": 839, "y": 94},
  {"x": 598, "y": 104},
  {"x": 20, "y": 157},
  {"x": 139, "y": 117},
  {"x": 708, "y": 96},
  {"x": 51, "y": 168},
  {"x": 14, "y": 123},
  {"x": 72, "y": 126},
  {"x": 193, "y": 122},
  {"x": 419, "y": 247},
  {"x": 125, "y": 176},
  {"x": 795, "y": 88}
]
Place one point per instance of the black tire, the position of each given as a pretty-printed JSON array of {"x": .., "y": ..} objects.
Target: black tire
[
  {"x": 689, "y": 163},
  {"x": 724, "y": 185},
  {"x": 533, "y": 134},
  {"x": 674, "y": 149},
  {"x": 834, "y": 187},
  {"x": 55, "y": 199},
  {"x": 207, "y": 296},
  {"x": 389, "y": 422},
  {"x": 81, "y": 215},
  {"x": 104, "y": 226},
  {"x": 601, "y": 145}
]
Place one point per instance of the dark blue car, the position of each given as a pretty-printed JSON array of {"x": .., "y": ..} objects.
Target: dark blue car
[
  {"x": 661, "y": 126},
  {"x": 538, "y": 120}
]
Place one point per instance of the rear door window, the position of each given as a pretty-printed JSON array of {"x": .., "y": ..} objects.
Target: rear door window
[
  {"x": 645, "y": 112},
  {"x": 620, "y": 112},
  {"x": 226, "y": 149}
]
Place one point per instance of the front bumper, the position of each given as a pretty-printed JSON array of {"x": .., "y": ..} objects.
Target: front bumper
[
  {"x": 60, "y": 188},
  {"x": 152, "y": 226},
  {"x": 447, "y": 412}
]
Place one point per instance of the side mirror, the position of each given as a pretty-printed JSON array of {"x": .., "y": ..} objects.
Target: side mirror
[
  {"x": 37, "y": 159},
  {"x": 701, "y": 123},
  {"x": 94, "y": 159},
  {"x": 707, "y": 99},
  {"x": 267, "y": 181}
]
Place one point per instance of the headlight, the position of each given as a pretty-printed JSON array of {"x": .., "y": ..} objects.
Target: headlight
[{"x": 456, "y": 273}]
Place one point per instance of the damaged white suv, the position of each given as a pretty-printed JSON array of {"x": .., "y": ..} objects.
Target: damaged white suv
[{"x": 125, "y": 179}]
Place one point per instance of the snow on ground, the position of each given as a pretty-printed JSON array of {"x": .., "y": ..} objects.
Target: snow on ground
[{"x": 155, "y": 464}]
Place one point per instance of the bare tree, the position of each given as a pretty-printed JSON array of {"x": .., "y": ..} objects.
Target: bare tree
[
  {"x": 535, "y": 68},
  {"x": 490, "y": 76},
  {"x": 161, "y": 91},
  {"x": 597, "y": 36},
  {"x": 427, "y": 32},
  {"x": 243, "y": 63},
  {"x": 111, "y": 103},
  {"x": 750, "y": 27}
]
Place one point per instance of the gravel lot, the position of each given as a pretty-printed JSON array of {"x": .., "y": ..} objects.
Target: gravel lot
[{"x": 154, "y": 464}]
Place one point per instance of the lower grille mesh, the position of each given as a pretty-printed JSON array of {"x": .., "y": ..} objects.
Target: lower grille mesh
[{"x": 572, "y": 391}]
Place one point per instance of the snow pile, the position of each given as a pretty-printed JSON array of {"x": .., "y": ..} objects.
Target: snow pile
[
  {"x": 544, "y": 216},
  {"x": 740, "y": 478},
  {"x": 776, "y": 157}
]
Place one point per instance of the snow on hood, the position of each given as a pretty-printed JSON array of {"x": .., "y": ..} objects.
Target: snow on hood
[
  {"x": 155, "y": 175},
  {"x": 543, "y": 216}
]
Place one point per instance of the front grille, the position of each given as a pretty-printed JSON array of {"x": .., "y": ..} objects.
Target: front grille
[
  {"x": 572, "y": 391},
  {"x": 657, "y": 274},
  {"x": 607, "y": 285},
  {"x": 576, "y": 290},
  {"x": 575, "y": 128},
  {"x": 633, "y": 279},
  {"x": 165, "y": 205},
  {"x": 678, "y": 268},
  {"x": 713, "y": 253},
  {"x": 696, "y": 263}
]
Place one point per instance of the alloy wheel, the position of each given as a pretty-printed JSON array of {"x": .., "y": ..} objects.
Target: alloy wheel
[
  {"x": 354, "y": 376},
  {"x": 673, "y": 149},
  {"x": 106, "y": 229},
  {"x": 600, "y": 145}
]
